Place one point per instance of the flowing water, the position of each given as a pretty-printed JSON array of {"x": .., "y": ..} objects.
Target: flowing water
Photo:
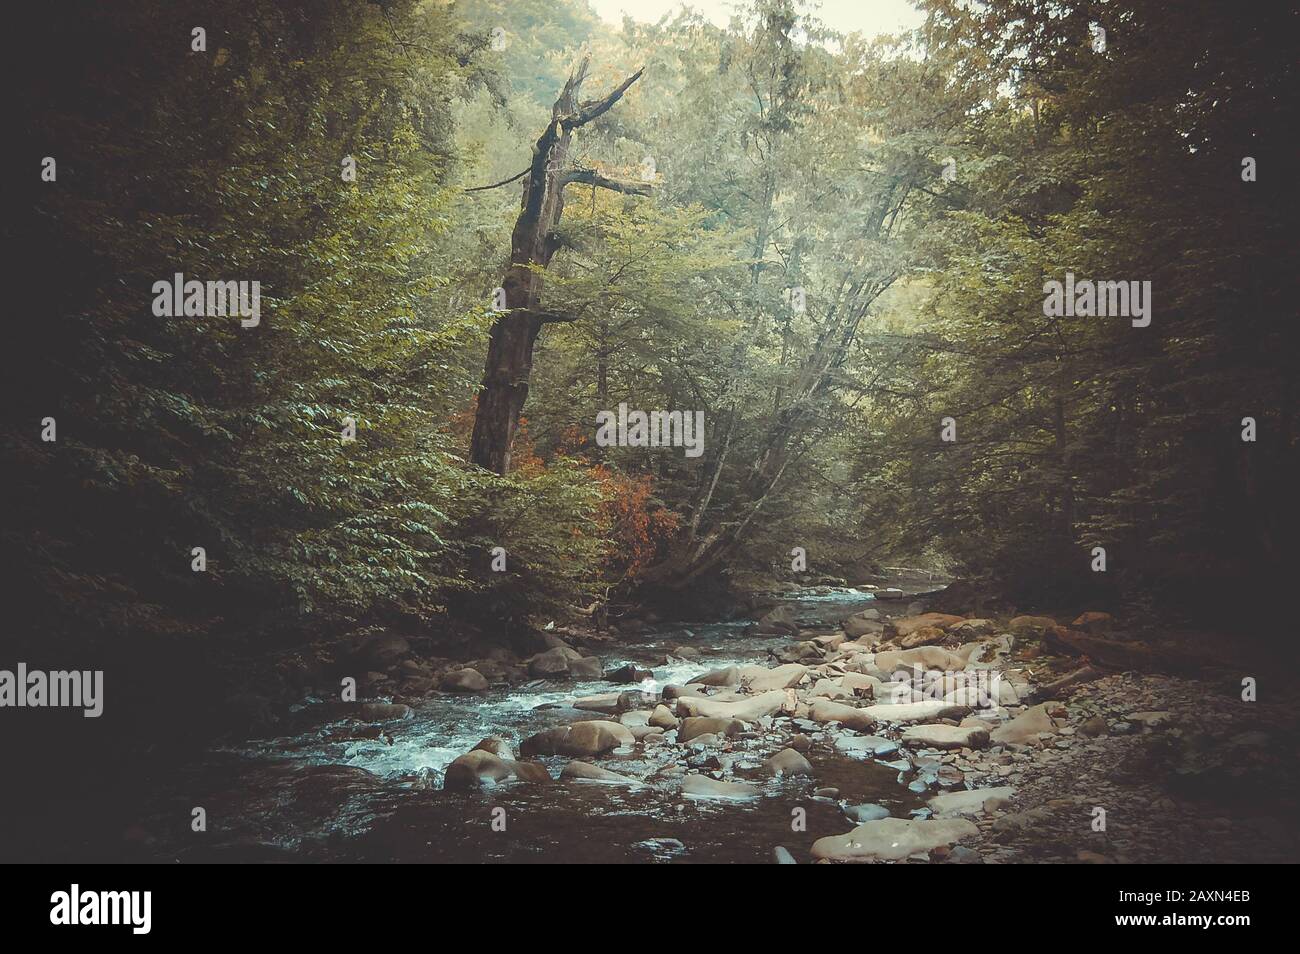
[{"x": 323, "y": 795}]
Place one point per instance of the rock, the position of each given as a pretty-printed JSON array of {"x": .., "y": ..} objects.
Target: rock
[
  {"x": 552, "y": 662},
  {"x": 380, "y": 652},
  {"x": 927, "y": 657},
  {"x": 798, "y": 651},
  {"x": 974, "y": 628},
  {"x": 865, "y": 746},
  {"x": 464, "y": 680},
  {"x": 830, "y": 689},
  {"x": 606, "y": 702},
  {"x": 916, "y": 711},
  {"x": 861, "y": 814},
  {"x": 701, "y": 786},
  {"x": 629, "y": 673},
  {"x": 384, "y": 711},
  {"x": 910, "y": 624},
  {"x": 787, "y": 762},
  {"x": 761, "y": 679},
  {"x": 718, "y": 677},
  {"x": 475, "y": 769},
  {"x": 892, "y": 839},
  {"x": 498, "y": 747},
  {"x": 1149, "y": 720},
  {"x": 586, "y": 667},
  {"x": 746, "y": 710},
  {"x": 862, "y": 624},
  {"x": 968, "y": 802},
  {"x": 823, "y": 710},
  {"x": 1094, "y": 622},
  {"x": 663, "y": 717},
  {"x": 961, "y": 855},
  {"x": 1093, "y": 726},
  {"x": 530, "y": 771},
  {"x": 695, "y": 726},
  {"x": 782, "y": 856},
  {"x": 579, "y": 740},
  {"x": 778, "y": 621},
  {"x": 946, "y": 736},
  {"x": 584, "y": 771},
  {"x": 1032, "y": 625},
  {"x": 1025, "y": 727},
  {"x": 925, "y": 636},
  {"x": 1091, "y": 857}
]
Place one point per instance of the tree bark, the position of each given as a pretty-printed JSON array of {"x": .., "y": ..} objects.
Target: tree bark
[{"x": 533, "y": 243}]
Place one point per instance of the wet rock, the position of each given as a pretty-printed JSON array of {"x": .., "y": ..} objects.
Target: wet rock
[
  {"x": 384, "y": 711},
  {"x": 779, "y": 621},
  {"x": 551, "y": 663},
  {"x": 893, "y": 839},
  {"x": 585, "y": 771},
  {"x": 464, "y": 680},
  {"x": 586, "y": 667},
  {"x": 476, "y": 769},
  {"x": 498, "y": 747},
  {"x": 787, "y": 762},
  {"x": 865, "y": 746},
  {"x": 579, "y": 740},
  {"x": 628, "y": 674},
  {"x": 861, "y": 814},
  {"x": 701, "y": 786}
]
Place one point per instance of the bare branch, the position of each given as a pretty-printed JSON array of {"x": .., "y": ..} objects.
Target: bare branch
[
  {"x": 592, "y": 177},
  {"x": 497, "y": 185}
]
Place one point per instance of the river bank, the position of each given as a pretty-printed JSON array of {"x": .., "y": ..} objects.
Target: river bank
[{"x": 787, "y": 738}]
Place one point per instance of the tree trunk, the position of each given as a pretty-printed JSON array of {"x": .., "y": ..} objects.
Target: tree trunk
[{"x": 533, "y": 243}]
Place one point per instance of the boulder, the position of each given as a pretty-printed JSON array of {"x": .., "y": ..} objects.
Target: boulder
[
  {"x": 761, "y": 679},
  {"x": 787, "y": 762},
  {"x": 861, "y": 814},
  {"x": 380, "y": 652},
  {"x": 476, "y": 769},
  {"x": 579, "y": 740},
  {"x": 629, "y": 673},
  {"x": 893, "y": 839},
  {"x": 777, "y": 621},
  {"x": 385, "y": 711},
  {"x": 663, "y": 717},
  {"x": 1032, "y": 625},
  {"x": 746, "y": 710},
  {"x": 925, "y": 636},
  {"x": 1094, "y": 622},
  {"x": 552, "y": 662},
  {"x": 696, "y": 726},
  {"x": 909, "y": 624},
  {"x": 916, "y": 711},
  {"x": 464, "y": 680},
  {"x": 498, "y": 747},
  {"x": 1025, "y": 727},
  {"x": 824, "y": 710},
  {"x": 927, "y": 657},
  {"x": 974, "y": 628},
  {"x": 584, "y": 771},
  {"x": 968, "y": 803},
  {"x": 718, "y": 677},
  {"x": 946, "y": 736},
  {"x": 586, "y": 667}
]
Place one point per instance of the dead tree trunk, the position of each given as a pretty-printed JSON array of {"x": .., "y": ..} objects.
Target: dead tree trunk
[{"x": 532, "y": 245}]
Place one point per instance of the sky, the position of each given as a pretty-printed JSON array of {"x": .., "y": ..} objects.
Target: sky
[{"x": 870, "y": 17}]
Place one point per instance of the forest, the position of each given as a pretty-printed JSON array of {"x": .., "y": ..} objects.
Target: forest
[{"x": 396, "y": 340}]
